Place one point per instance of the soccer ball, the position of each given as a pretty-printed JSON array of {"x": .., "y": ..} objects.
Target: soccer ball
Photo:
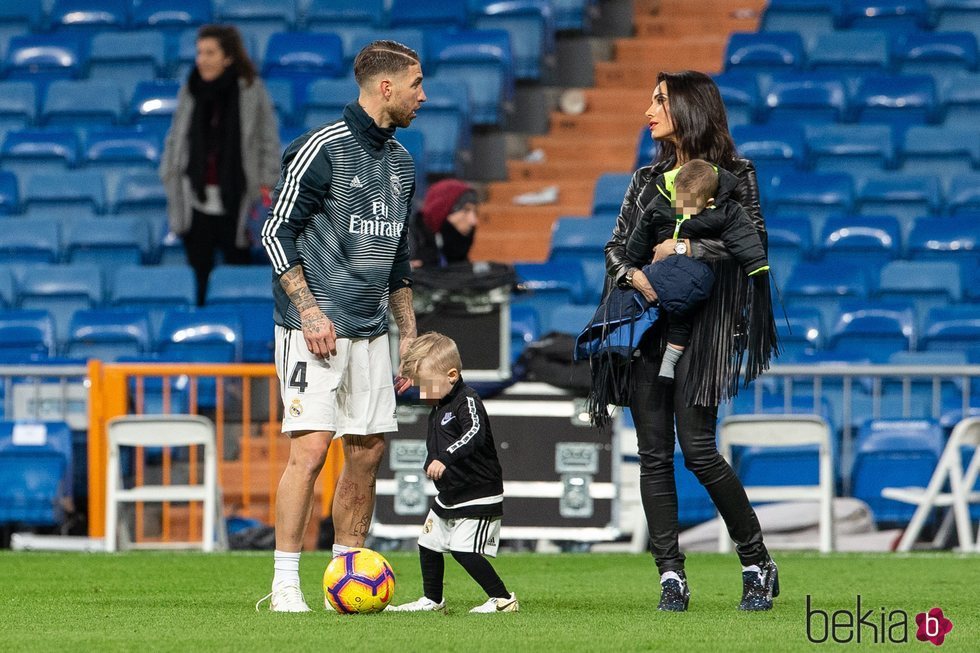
[{"x": 358, "y": 581}]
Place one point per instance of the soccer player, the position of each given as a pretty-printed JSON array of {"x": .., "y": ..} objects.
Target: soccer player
[
  {"x": 462, "y": 460},
  {"x": 337, "y": 237}
]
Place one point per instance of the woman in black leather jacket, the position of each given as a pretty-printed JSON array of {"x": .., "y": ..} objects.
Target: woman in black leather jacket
[{"x": 687, "y": 118}]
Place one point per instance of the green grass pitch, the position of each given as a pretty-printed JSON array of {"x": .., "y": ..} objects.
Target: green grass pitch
[{"x": 576, "y": 602}]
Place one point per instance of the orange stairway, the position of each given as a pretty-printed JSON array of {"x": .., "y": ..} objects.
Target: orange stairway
[{"x": 669, "y": 35}]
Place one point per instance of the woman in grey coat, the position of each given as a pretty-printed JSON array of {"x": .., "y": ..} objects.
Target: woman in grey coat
[{"x": 221, "y": 154}]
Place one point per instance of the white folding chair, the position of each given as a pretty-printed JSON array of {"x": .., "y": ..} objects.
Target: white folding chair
[
  {"x": 783, "y": 431},
  {"x": 961, "y": 492},
  {"x": 165, "y": 431}
]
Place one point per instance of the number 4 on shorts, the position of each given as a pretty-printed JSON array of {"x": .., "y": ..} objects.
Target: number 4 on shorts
[{"x": 298, "y": 378}]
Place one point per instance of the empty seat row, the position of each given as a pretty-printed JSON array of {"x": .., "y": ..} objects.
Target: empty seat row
[
  {"x": 54, "y": 192},
  {"x": 928, "y": 53},
  {"x": 815, "y": 17},
  {"x": 838, "y": 96}
]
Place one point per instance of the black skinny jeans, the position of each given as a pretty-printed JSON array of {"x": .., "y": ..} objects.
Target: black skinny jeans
[
  {"x": 655, "y": 406},
  {"x": 207, "y": 235}
]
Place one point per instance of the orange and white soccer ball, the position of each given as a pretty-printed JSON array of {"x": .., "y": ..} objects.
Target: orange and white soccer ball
[{"x": 358, "y": 582}]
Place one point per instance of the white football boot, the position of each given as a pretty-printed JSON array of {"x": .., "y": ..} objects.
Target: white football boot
[
  {"x": 288, "y": 598},
  {"x": 424, "y": 604},
  {"x": 497, "y": 605}
]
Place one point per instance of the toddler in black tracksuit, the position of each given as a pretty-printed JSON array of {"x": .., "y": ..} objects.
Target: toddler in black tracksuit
[
  {"x": 462, "y": 461},
  {"x": 695, "y": 202}
]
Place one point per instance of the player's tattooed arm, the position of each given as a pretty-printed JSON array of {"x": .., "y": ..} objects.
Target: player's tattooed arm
[
  {"x": 404, "y": 312},
  {"x": 318, "y": 330}
]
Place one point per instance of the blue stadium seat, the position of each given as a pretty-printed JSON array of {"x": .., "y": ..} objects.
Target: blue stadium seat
[
  {"x": 247, "y": 290},
  {"x": 82, "y": 104},
  {"x": 531, "y": 28},
  {"x": 18, "y": 17},
  {"x": 594, "y": 273},
  {"x": 154, "y": 289},
  {"x": 918, "y": 392},
  {"x": 781, "y": 148},
  {"x": 936, "y": 53},
  {"x": 952, "y": 328},
  {"x": 27, "y": 152},
  {"x": 964, "y": 194},
  {"x": 892, "y": 15},
  {"x": 894, "y": 453},
  {"x": 428, "y": 14},
  {"x": 928, "y": 284},
  {"x": 482, "y": 60},
  {"x": 906, "y": 197},
  {"x": 153, "y": 104},
  {"x": 809, "y": 18},
  {"x": 790, "y": 241},
  {"x": 873, "y": 329},
  {"x": 18, "y": 105},
  {"x": 140, "y": 193},
  {"x": 868, "y": 240},
  {"x": 525, "y": 328},
  {"x": 444, "y": 122},
  {"x": 212, "y": 335},
  {"x": 943, "y": 150},
  {"x": 646, "y": 148},
  {"x": 961, "y": 99},
  {"x": 107, "y": 241},
  {"x": 9, "y": 193},
  {"x": 44, "y": 57},
  {"x": 899, "y": 100},
  {"x": 128, "y": 58},
  {"x": 326, "y": 99},
  {"x": 740, "y": 93},
  {"x": 817, "y": 195},
  {"x": 569, "y": 319},
  {"x": 61, "y": 290},
  {"x": 172, "y": 16},
  {"x": 108, "y": 334},
  {"x": 823, "y": 286},
  {"x": 89, "y": 15},
  {"x": 805, "y": 98},
  {"x": 800, "y": 333},
  {"x": 951, "y": 15},
  {"x": 303, "y": 57},
  {"x": 257, "y": 20},
  {"x": 27, "y": 334},
  {"x": 610, "y": 189},
  {"x": 854, "y": 149},
  {"x": 548, "y": 286},
  {"x": 573, "y": 14},
  {"x": 764, "y": 52},
  {"x": 78, "y": 193},
  {"x": 954, "y": 238},
  {"x": 574, "y": 238},
  {"x": 35, "y": 473},
  {"x": 332, "y": 15},
  {"x": 119, "y": 150},
  {"x": 858, "y": 51},
  {"x": 29, "y": 240}
]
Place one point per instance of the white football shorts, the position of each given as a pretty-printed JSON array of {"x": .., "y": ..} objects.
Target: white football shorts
[
  {"x": 351, "y": 393},
  {"x": 465, "y": 535}
]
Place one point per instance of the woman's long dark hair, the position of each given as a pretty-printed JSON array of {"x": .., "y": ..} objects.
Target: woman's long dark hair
[
  {"x": 700, "y": 121},
  {"x": 230, "y": 42}
]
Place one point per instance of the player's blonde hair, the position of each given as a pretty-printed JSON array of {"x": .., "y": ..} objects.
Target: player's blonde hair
[{"x": 431, "y": 352}]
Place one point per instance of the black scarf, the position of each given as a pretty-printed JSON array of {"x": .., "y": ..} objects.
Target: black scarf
[
  {"x": 455, "y": 246},
  {"x": 215, "y": 131}
]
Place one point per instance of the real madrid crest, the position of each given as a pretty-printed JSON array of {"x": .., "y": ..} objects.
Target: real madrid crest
[
  {"x": 428, "y": 526},
  {"x": 296, "y": 408},
  {"x": 396, "y": 185}
]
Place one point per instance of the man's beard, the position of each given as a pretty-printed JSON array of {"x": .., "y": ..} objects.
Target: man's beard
[{"x": 402, "y": 119}]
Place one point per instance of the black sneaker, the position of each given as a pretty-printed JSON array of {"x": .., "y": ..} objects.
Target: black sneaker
[
  {"x": 759, "y": 588},
  {"x": 674, "y": 594}
]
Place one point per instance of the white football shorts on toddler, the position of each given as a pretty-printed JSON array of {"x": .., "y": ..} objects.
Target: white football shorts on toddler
[
  {"x": 465, "y": 535},
  {"x": 350, "y": 393}
]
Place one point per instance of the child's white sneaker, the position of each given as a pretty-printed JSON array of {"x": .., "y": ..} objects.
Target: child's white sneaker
[
  {"x": 424, "y": 604},
  {"x": 494, "y": 604}
]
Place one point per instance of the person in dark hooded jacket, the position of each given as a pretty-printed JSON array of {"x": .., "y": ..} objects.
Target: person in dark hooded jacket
[
  {"x": 443, "y": 231},
  {"x": 694, "y": 202}
]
